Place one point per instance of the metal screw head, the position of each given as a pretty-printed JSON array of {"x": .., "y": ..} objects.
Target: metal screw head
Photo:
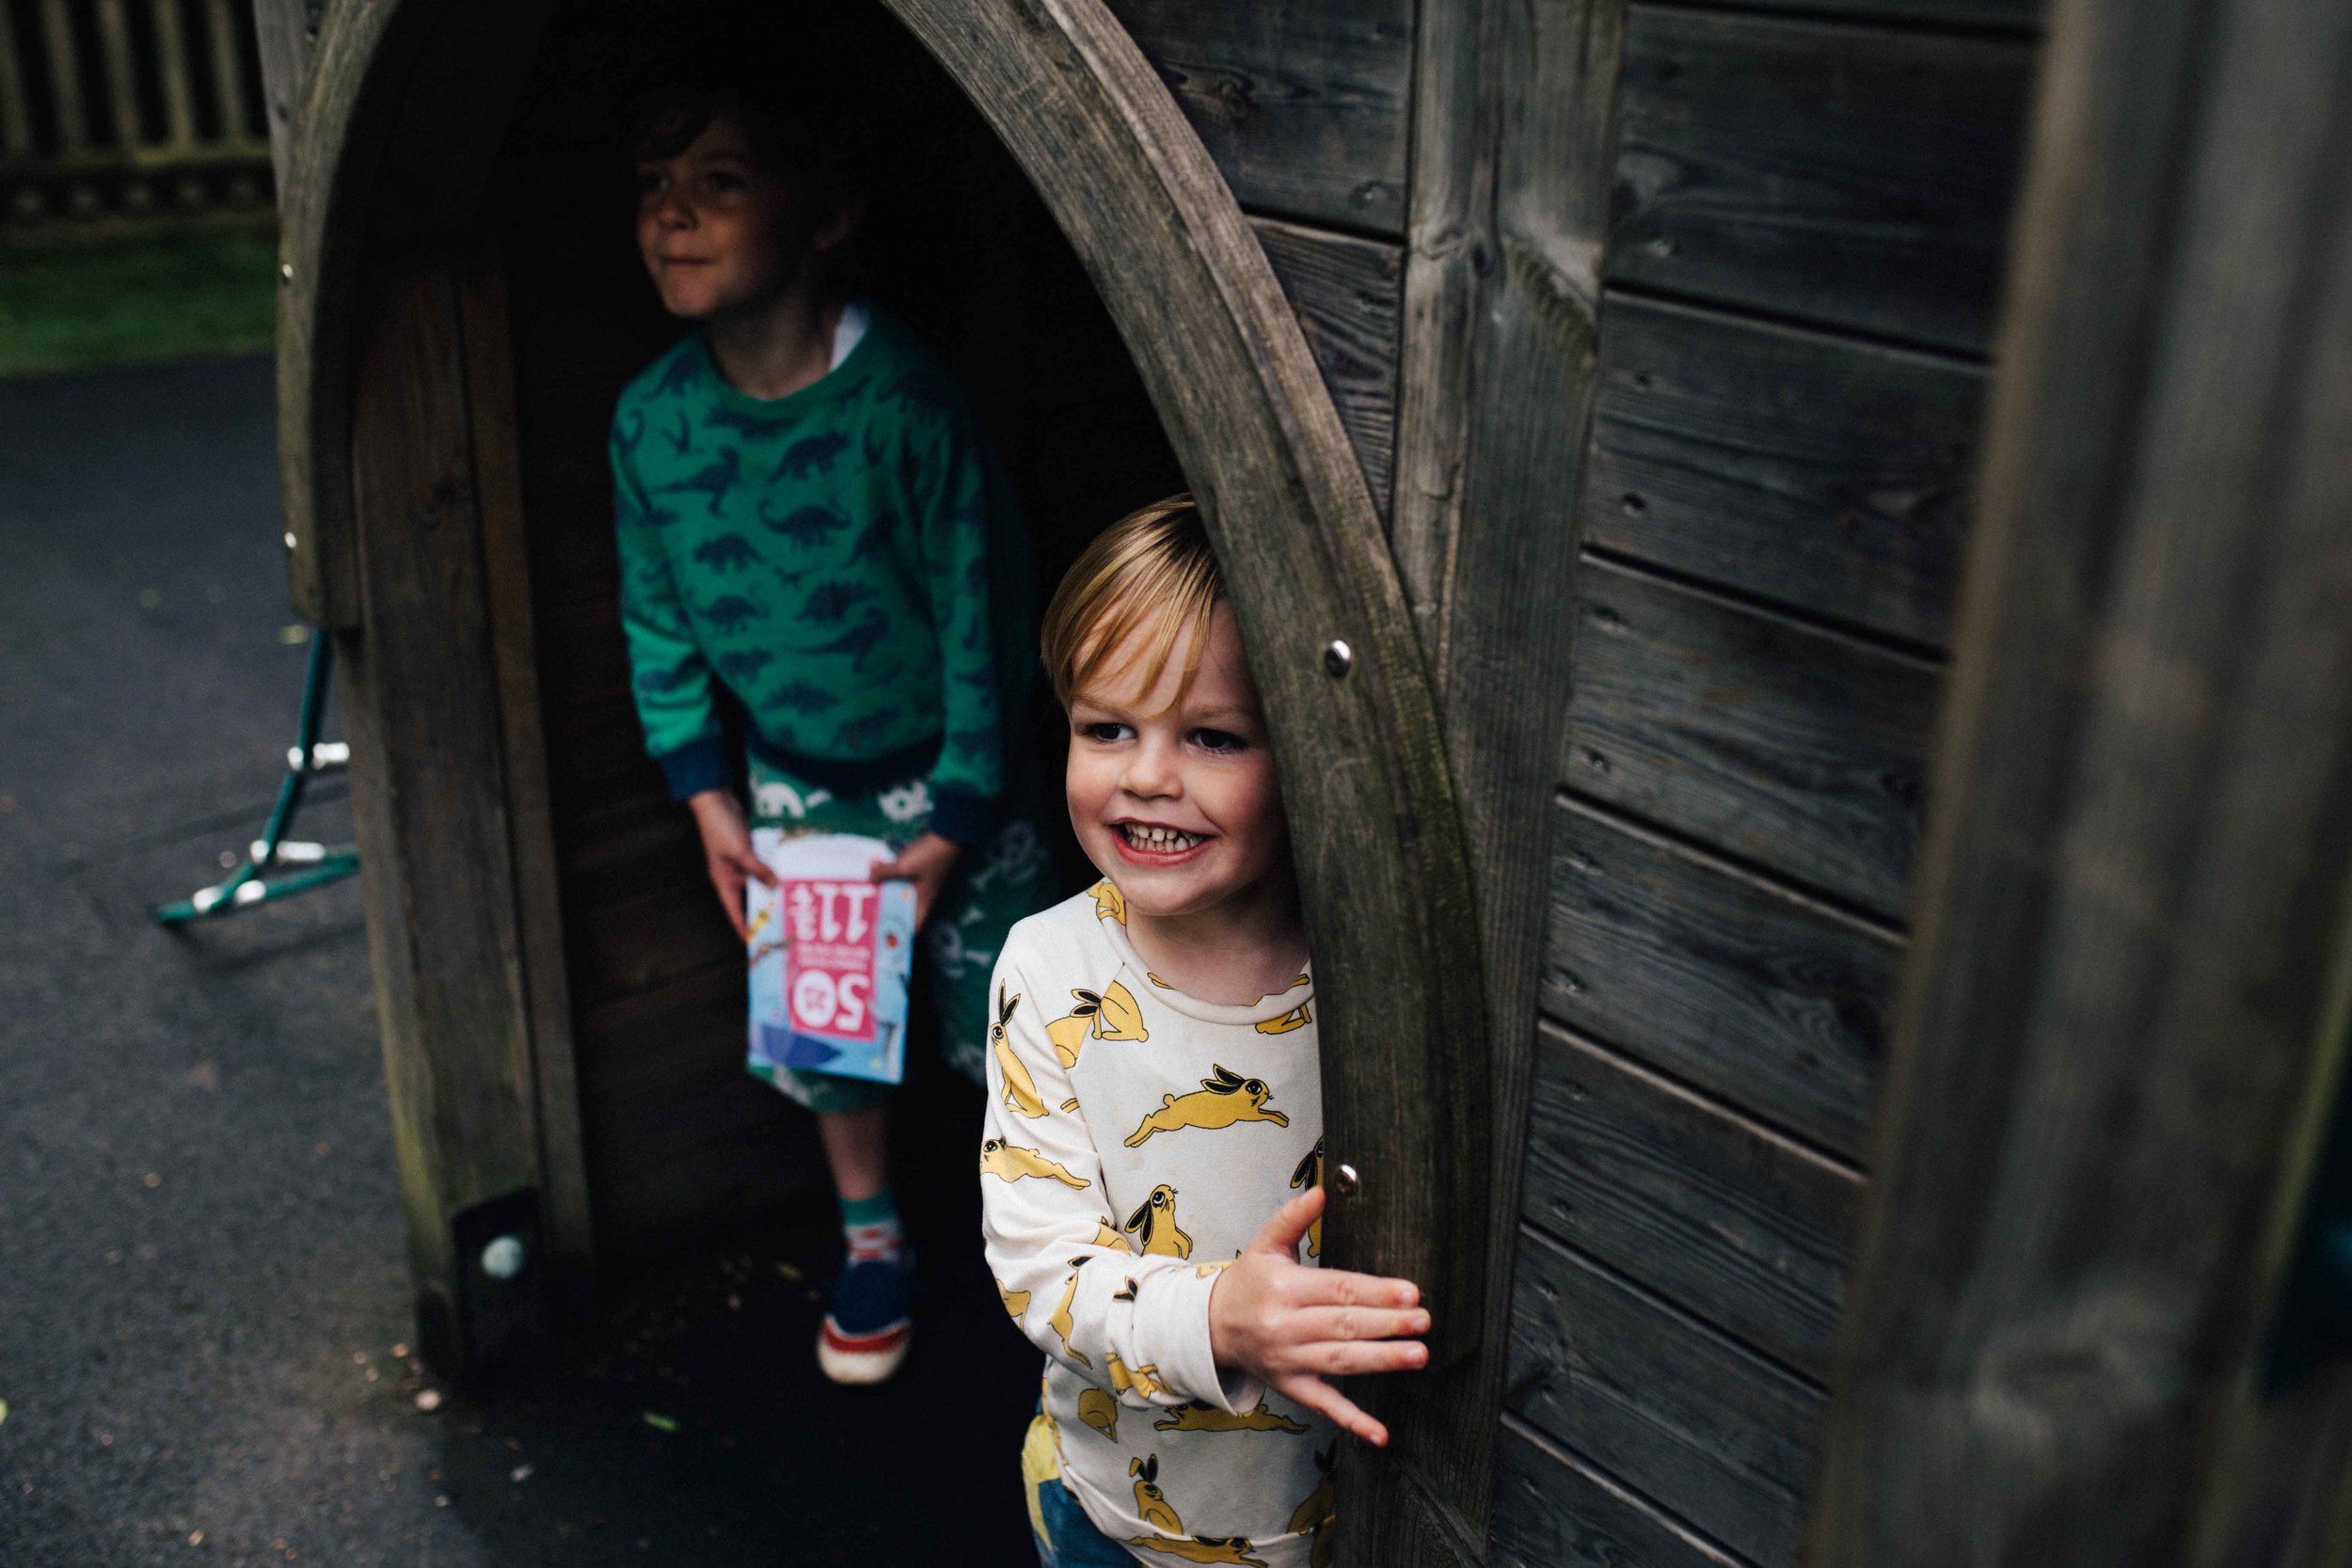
[
  {"x": 1345, "y": 1181},
  {"x": 285, "y": 272},
  {"x": 1337, "y": 658},
  {"x": 290, "y": 539}
]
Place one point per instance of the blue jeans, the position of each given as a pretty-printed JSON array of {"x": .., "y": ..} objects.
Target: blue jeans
[{"x": 1065, "y": 1537}]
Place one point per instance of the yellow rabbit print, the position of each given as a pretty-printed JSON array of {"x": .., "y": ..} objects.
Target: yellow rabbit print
[
  {"x": 1201, "y": 1548},
  {"x": 1154, "y": 1224},
  {"x": 1223, "y": 1099},
  {"x": 1097, "y": 1409},
  {"x": 1298, "y": 1017},
  {"x": 1021, "y": 1096},
  {"x": 1310, "y": 1174},
  {"x": 1144, "y": 1380},
  {"x": 1016, "y": 1302},
  {"x": 1059, "y": 1322},
  {"x": 1011, "y": 1162},
  {"x": 1109, "y": 900},
  {"x": 1317, "y": 1513},
  {"x": 1149, "y": 1501},
  {"x": 1106, "y": 1015},
  {"x": 1198, "y": 1416}
]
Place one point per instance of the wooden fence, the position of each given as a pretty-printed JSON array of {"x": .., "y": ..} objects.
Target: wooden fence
[{"x": 129, "y": 112}]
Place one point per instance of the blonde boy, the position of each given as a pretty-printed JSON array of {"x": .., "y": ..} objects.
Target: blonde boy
[{"x": 1154, "y": 1094}]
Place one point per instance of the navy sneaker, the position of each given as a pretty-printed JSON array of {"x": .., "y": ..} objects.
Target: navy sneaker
[{"x": 868, "y": 1328}]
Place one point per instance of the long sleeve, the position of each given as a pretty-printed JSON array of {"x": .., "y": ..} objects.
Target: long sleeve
[
  {"x": 669, "y": 678},
  {"x": 1137, "y": 1326},
  {"x": 960, "y": 534}
]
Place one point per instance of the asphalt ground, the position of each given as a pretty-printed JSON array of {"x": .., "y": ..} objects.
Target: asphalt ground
[{"x": 204, "y": 1295}]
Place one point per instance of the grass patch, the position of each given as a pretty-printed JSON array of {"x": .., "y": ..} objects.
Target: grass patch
[{"x": 70, "y": 305}]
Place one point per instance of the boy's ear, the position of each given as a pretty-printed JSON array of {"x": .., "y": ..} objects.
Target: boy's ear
[{"x": 836, "y": 231}]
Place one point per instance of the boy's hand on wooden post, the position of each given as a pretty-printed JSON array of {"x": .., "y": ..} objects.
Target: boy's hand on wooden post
[
  {"x": 727, "y": 852},
  {"x": 926, "y": 864},
  {"x": 1293, "y": 1326}
]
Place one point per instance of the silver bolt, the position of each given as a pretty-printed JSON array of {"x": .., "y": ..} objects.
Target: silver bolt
[
  {"x": 503, "y": 1257},
  {"x": 285, "y": 272},
  {"x": 1345, "y": 1181},
  {"x": 1337, "y": 658},
  {"x": 290, "y": 539}
]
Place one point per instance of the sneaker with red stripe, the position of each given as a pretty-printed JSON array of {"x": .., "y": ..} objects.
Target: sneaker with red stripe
[{"x": 866, "y": 1328}]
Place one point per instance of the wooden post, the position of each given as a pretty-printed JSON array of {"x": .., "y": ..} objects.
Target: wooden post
[
  {"x": 2113, "y": 1047},
  {"x": 1510, "y": 184},
  {"x": 283, "y": 31}
]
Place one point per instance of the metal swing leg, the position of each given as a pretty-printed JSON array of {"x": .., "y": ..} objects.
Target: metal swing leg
[{"x": 321, "y": 864}]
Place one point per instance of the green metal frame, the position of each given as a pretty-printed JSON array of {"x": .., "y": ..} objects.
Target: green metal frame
[{"x": 248, "y": 887}]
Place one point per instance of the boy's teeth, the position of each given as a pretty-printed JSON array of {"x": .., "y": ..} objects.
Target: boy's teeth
[{"x": 1159, "y": 838}]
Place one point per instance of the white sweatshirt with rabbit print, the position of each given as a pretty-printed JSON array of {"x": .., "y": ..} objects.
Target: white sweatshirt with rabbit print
[{"x": 1136, "y": 1138}]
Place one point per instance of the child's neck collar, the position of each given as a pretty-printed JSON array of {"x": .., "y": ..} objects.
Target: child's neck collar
[
  {"x": 777, "y": 346},
  {"x": 1220, "y": 958}
]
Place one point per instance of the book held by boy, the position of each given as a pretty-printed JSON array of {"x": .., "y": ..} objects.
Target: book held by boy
[{"x": 831, "y": 950}]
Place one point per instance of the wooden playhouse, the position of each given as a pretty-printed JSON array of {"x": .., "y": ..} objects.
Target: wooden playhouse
[{"x": 1843, "y": 981}]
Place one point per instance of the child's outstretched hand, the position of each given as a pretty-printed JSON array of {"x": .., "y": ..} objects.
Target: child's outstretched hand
[
  {"x": 926, "y": 864},
  {"x": 727, "y": 852},
  {"x": 1293, "y": 1326}
]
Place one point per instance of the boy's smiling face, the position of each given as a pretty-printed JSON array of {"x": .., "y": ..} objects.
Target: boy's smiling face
[
  {"x": 717, "y": 229},
  {"x": 1175, "y": 800}
]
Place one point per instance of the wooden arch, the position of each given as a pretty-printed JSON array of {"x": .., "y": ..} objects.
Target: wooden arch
[{"x": 406, "y": 102}]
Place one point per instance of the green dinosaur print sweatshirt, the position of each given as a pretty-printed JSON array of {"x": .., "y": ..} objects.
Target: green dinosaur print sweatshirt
[{"x": 847, "y": 561}]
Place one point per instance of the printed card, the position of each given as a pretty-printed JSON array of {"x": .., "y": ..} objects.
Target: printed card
[{"x": 831, "y": 951}]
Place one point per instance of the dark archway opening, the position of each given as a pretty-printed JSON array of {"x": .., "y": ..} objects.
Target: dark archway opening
[{"x": 693, "y": 1166}]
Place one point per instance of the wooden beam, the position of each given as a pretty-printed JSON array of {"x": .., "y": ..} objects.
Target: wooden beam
[
  {"x": 423, "y": 703},
  {"x": 286, "y": 32},
  {"x": 1511, "y": 173},
  {"x": 1356, "y": 743},
  {"x": 538, "y": 907},
  {"x": 2113, "y": 1049}
]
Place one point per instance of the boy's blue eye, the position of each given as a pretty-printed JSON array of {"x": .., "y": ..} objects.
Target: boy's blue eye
[
  {"x": 1105, "y": 730},
  {"x": 1219, "y": 740}
]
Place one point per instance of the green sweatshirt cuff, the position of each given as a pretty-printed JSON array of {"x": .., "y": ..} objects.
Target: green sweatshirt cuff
[{"x": 697, "y": 766}]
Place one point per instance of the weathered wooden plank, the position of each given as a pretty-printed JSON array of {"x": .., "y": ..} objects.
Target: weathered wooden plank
[
  {"x": 1346, "y": 291},
  {"x": 1837, "y": 173},
  {"x": 1820, "y": 471},
  {"x": 1553, "y": 1510},
  {"x": 428, "y": 786},
  {"x": 1724, "y": 1218},
  {"x": 1511, "y": 143},
  {"x": 1796, "y": 749},
  {"x": 1711, "y": 1432},
  {"x": 2017, "y": 15},
  {"x": 284, "y": 37},
  {"x": 626, "y": 1043},
  {"x": 2122, "y": 1027},
  {"x": 539, "y": 911},
  {"x": 1723, "y": 981},
  {"x": 661, "y": 1209},
  {"x": 1302, "y": 106}
]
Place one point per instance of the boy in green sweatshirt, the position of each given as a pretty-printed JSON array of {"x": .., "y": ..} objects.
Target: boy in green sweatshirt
[{"x": 809, "y": 521}]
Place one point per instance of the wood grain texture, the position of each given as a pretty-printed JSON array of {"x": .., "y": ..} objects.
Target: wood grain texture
[
  {"x": 2008, "y": 15},
  {"x": 1302, "y": 105},
  {"x": 1510, "y": 189},
  {"x": 1346, "y": 291},
  {"x": 1553, "y": 1510},
  {"x": 395, "y": 134},
  {"x": 1791, "y": 748},
  {"x": 538, "y": 908},
  {"x": 1711, "y": 1432},
  {"x": 2114, "y": 1042},
  {"x": 1828, "y": 474},
  {"x": 1718, "y": 1214},
  {"x": 1360, "y": 759},
  {"x": 428, "y": 786},
  {"x": 1716, "y": 978},
  {"x": 1841, "y": 174},
  {"x": 283, "y": 41}
]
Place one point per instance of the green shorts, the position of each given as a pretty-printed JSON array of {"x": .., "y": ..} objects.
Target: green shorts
[{"x": 992, "y": 885}]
